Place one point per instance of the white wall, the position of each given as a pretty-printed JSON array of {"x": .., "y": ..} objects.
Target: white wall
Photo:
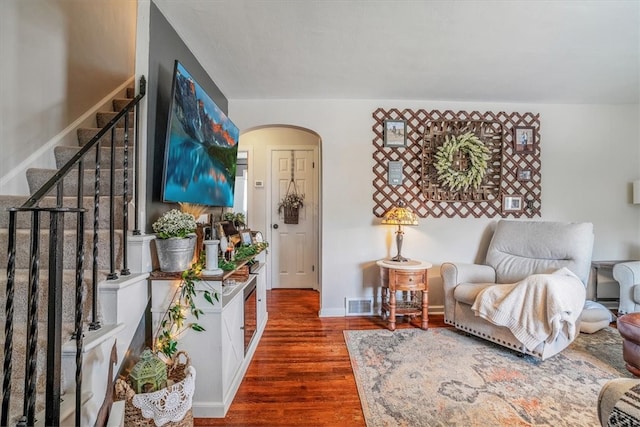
[
  {"x": 589, "y": 154},
  {"x": 59, "y": 58}
]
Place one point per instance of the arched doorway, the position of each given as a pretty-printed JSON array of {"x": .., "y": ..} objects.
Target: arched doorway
[{"x": 277, "y": 155}]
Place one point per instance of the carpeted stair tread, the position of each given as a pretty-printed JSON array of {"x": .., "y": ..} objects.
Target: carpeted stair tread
[
  {"x": 21, "y": 293},
  {"x": 23, "y": 238},
  {"x": 120, "y": 103},
  {"x": 64, "y": 153},
  {"x": 86, "y": 134},
  {"x": 24, "y": 218},
  {"x": 104, "y": 117},
  {"x": 36, "y": 178}
]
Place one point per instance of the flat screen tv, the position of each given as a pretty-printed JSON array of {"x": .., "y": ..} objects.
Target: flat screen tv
[{"x": 201, "y": 149}]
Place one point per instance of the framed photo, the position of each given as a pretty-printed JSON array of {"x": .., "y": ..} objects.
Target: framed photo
[
  {"x": 395, "y": 133},
  {"x": 524, "y": 139},
  {"x": 257, "y": 237},
  {"x": 512, "y": 203},
  {"x": 524, "y": 174},
  {"x": 245, "y": 235}
]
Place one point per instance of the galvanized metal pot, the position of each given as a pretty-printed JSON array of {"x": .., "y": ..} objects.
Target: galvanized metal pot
[{"x": 175, "y": 254}]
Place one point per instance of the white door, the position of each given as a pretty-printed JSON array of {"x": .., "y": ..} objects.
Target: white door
[{"x": 294, "y": 246}]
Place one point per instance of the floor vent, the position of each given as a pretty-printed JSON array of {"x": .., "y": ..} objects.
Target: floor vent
[{"x": 360, "y": 306}]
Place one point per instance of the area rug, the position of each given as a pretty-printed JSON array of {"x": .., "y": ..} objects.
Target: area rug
[{"x": 442, "y": 377}]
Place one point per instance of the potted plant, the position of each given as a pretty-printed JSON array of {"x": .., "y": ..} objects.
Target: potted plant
[
  {"x": 175, "y": 240},
  {"x": 290, "y": 204}
]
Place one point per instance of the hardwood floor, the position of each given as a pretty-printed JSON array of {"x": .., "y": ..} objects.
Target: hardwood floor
[{"x": 301, "y": 373}]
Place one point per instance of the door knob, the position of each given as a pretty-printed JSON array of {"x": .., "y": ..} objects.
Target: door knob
[{"x": 275, "y": 226}]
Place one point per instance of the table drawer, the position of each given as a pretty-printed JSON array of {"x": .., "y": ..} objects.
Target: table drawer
[{"x": 408, "y": 280}]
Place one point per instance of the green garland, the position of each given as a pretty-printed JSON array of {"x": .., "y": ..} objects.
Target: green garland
[
  {"x": 467, "y": 144},
  {"x": 173, "y": 323}
]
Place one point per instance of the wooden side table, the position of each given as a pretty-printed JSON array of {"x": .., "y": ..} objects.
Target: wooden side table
[{"x": 409, "y": 276}]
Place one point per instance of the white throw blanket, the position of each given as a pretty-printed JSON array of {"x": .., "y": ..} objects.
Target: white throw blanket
[{"x": 535, "y": 309}]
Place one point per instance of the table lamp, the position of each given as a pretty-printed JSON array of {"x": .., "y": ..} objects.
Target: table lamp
[{"x": 400, "y": 215}]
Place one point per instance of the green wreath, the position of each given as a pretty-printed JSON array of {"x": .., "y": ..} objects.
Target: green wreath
[{"x": 469, "y": 145}]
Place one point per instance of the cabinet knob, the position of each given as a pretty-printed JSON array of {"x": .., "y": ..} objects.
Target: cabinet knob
[{"x": 411, "y": 279}]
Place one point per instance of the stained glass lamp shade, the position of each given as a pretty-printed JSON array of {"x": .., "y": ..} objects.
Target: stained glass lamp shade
[{"x": 400, "y": 215}]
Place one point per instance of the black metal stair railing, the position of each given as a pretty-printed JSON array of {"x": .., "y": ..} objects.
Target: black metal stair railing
[{"x": 56, "y": 265}]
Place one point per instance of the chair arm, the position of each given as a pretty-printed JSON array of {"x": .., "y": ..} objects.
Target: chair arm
[
  {"x": 627, "y": 274},
  {"x": 455, "y": 273},
  {"x": 610, "y": 394}
]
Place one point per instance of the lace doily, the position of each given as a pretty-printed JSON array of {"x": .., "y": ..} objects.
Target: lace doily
[{"x": 169, "y": 404}]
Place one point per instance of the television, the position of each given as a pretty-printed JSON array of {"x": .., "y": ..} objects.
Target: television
[{"x": 201, "y": 147}]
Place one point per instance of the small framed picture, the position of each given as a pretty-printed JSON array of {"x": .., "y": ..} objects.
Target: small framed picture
[
  {"x": 395, "y": 133},
  {"x": 246, "y": 237},
  {"x": 524, "y": 174},
  {"x": 524, "y": 139},
  {"x": 257, "y": 237},
  {"x": 512, "y": 203}
]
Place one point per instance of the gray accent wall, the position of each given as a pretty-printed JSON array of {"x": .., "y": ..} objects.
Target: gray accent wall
[{"x": 165, "y": 46}]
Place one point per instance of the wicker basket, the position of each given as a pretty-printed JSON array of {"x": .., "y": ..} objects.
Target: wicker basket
[
  {"x": 177, "y": 371},
  {"x": 290, "y": 215}
]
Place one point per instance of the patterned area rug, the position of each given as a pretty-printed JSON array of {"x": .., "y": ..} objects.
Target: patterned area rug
[{"x": 441, "y": 377}]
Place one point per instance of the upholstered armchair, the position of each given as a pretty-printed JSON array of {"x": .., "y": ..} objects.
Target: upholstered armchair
[
  {"x": 518, "y": 250},
  {"x": 628, "y": 276},
  {"x": 617, "y": 403}
]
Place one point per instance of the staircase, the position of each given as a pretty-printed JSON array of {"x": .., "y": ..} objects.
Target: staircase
[{"x": 65, "y": 241}]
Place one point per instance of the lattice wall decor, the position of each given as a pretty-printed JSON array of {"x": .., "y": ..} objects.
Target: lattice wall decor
[{"x": 509, "y": 172}]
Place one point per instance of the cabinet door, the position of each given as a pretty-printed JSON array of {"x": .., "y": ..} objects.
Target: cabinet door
[
  {"x": 232, "y": 340},
  {"x": 261, "y": 289}
]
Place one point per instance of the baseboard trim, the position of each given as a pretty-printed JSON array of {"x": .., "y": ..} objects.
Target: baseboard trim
[
  {"x": 341, "y": 312},
  {"x": 332, "y": 312}
]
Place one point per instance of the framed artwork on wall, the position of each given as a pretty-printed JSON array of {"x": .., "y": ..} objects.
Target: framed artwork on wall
[
  {"x": 524, "y": 174},
  {"x": 395, "y": 133},
  {"x": 512, "y": 203},
  {"x": 524, "y": 139}
]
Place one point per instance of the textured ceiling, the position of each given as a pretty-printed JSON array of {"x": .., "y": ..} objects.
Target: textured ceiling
[{"x": 506, "y": 51}]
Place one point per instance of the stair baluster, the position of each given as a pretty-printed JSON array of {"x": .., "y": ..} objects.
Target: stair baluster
[
  {"x": 95, "y": 322},
  {"x": 125, "y": 198},
  {"x": 8, "y": 326},
  {"x": 29, "y": 409},
  {"x": 112, "y": 232},
  {"x": 78, "y": 314}
]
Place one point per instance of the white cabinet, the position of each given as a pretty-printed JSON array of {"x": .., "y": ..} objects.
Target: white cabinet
[
  {"x": 218, "y": 353},
  {"x": 232, "y": 347},
  {"x": 261, "y": 289}
]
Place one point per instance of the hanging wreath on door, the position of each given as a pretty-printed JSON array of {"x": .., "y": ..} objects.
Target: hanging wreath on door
[{"x": 292, "y": 200}]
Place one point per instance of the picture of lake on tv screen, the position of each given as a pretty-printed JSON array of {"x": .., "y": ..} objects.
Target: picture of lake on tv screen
[{"x": 202, "y": 147}]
